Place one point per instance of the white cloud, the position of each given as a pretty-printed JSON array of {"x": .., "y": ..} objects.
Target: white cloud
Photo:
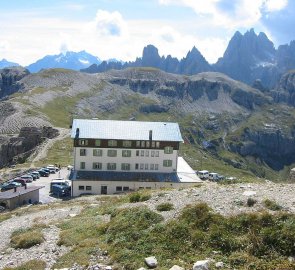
[
  {"x": 110, "y": 23},
  {"x": 4, "y": 45},
  {"x": 275, "y": 5},
  {"x": 244, "y": 13}
]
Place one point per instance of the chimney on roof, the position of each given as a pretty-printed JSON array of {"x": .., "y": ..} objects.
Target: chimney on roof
[
  {"x": 77, "y": 133},
  {"x": 15, "y": 188},
  {"x": 151, "y": 135}
]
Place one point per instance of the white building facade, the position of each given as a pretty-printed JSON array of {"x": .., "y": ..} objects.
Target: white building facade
[{"x": 125, "y": 150}]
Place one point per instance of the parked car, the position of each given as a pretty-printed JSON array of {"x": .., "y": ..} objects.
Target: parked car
[
  {"x": 60, "y": 191},
  {"x": 213, "y": 176},
  {"x": 23, "y": 182},
  {"x": 203, "y": 174},
  {"x": 27, "y": 177},
  {"x": 60, "y": 182},
  {"x": 45, "y": 169},
  {"x": 36, "y": 174},
  {"x": 43, "y": 173},
  {"x": 11, "y": 185},
  {"x": 53, "y": 167}
]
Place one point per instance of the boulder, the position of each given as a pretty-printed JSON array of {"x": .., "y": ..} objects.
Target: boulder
[
  {"x": 202, "y": 265},
  {"x": 219, "y": 265},
  {"x": 176, "y": 267},
  {"x": 151, "y": 262}
]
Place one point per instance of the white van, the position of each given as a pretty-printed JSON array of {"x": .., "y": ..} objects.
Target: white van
[
  {"x": 203, "y": 174},
  {"x": 59, "y": 181}
]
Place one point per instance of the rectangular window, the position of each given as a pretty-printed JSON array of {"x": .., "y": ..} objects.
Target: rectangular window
[
  {"x": 137, "y": 144},
  {"x": 88, "y": 187},
  {"x": 125, "y": 167},
  {"x": 156, "y": 167},
  {"x": 97, "y": 152},
  {"x": 97, "y": 142},
  {"x": 83, "y": 142},
  {"x": 137, "y": 153},
  {"x": 97, "y": 166},
  {"x": 112, "y": 143},
  {"x": 136, "y": 166},
  {"x": 126, "y": 153},
  {"x": 142, "y": 144},
  {"x": 112, "y": 153},
  {"x": 157, "y": 144},
  {"x": 82, "y": 152},
  {"x": 127, "y": 143},
  {"x": 167, "y": 163},
  {"x": 153, "y": 144},
  {"x": 82, "y": 165},
  {"x": 168, "y": 150},
  {"x": 152, "y": 153},
  {"x": 151, "y": 166},
  {"x": 146, "y": 166},
  {"x": 81, "y": 187},
  {"x": 119, "y": 189},
  {"x": 142, "y": 153},
  {"x": 141, "y": 166},
  {"x": 157, "y": 153},
  {"x": 147, "y": 152},
  {"x": 111, "y": 166},
  {"x": 125, "y": 188},
  {"x": 147, "y": 144}
]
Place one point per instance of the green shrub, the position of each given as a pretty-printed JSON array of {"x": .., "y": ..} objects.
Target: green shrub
[
  {"x": 26, "y": 238},
  {"x": 139, "y": 197},
  {"x": 134, "y": 197},
  {"x": 251, "y": 202},
  {"x": 30, "y": 265},
  {"x": 271, "y": 205},
  {"x": 164, "y": 207}
]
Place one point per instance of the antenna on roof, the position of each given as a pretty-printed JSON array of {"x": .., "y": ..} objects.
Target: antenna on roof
[{"x": 77, "y": 133}]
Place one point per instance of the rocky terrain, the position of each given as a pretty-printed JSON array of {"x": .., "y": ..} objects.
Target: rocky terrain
[
  {"x": 227, "y": 200},
  {"x": 235, "y": 124}
]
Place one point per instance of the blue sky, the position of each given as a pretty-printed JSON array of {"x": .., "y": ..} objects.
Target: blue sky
[{"x": 31, "y": 29}]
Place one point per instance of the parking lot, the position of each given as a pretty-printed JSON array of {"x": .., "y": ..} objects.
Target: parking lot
[{"x": 45, "y": 181}]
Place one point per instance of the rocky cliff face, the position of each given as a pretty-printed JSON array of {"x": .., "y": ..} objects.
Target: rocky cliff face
[
  {"x": 17, "y": 149},
  {"x": 285, "y": 90},
  {"x": 9, "y": 80},
  {"x": 269, "y": 144},
  {"x": 248, "y": 57}
]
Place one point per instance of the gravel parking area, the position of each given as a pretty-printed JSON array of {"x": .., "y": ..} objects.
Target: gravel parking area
[{"x": 45, "y": 181}]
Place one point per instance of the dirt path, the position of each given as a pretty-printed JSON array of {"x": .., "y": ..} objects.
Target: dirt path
[{"x": 41, "y": 151}]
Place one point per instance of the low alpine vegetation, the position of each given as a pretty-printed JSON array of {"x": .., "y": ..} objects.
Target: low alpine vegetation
[
  {"x": 26, "y": 238},
  {"x": 271, "y": 205},
  {"x": 164, "y": 207}
]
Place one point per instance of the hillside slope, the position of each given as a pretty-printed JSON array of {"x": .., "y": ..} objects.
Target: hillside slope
[{"x": 218, "y": 116}]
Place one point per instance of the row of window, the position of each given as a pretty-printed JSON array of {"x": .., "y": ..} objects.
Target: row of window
[
  {"x": 127, "y": 144},
  {"x": 127, "y": 166},
  {"x": 118, "y": 188},
  {"x": 127, "y": 153}
]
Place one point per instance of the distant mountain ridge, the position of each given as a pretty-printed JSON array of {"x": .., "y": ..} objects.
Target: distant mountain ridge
[
  {"x": 4, "y": 63},
  {"x": 69, "y": 60},
  {"x": 193, "y": 63},
  {"x": 247, "y": 58}
]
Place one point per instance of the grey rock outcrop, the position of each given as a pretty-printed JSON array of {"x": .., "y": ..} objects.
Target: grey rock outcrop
[
  {"x": 202, "y": 265},
  {"x": 285, "y": 90},
  {"x": 151, "y": 262},
  {"x": 10, "y": 80},
  {"x": 271, "y": 145},
  {"x": 17, "y": 149}
]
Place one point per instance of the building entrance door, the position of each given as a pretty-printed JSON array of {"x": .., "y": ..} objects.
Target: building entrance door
[{"x": 104, "y": 190}]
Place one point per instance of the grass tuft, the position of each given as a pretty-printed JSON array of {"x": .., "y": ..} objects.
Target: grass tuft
[
  {"x": 164, "y": 207},
  {"x": 30, "y": 265}
]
